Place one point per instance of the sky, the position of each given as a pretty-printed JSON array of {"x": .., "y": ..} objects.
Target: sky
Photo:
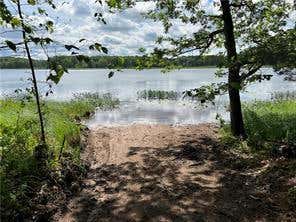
[{"x": 124, "y": 33}]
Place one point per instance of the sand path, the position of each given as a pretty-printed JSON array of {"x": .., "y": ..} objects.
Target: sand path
[{"x": 162, "y": 173}]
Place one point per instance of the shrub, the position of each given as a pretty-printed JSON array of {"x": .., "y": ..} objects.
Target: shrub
[{"x": 19, "y": 131}]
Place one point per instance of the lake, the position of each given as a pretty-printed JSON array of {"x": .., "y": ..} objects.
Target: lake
[{"x": 125, "y": 85}]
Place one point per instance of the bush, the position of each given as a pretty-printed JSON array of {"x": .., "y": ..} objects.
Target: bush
[
  {"x": 271, "y": 121},
  {"x": 270, "y": 126},
  {"x": 19, "y": 135}
]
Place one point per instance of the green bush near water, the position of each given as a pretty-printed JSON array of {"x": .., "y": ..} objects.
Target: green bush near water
[
  {"x": 271, "y": 121},
  {"x": 268, "y": 124},
  {"x": 19, "y": 132}
]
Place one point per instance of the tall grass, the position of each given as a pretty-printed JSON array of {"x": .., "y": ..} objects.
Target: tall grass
[
  {"x": 271, "y": 121},
  {"x": 19, "y": 134},
  {"x": 268, "y": 125}
]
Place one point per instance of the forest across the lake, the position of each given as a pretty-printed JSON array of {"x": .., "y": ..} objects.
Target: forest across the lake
[{"x": 113, "y": 62}]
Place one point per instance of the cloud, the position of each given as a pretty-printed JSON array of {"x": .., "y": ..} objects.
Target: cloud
[{"x": 124, "y": 33}]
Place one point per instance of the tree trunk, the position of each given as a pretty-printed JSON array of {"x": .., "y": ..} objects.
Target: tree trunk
[
  {"x": 36, "y": 92},
  {"x": 236, "y": 118}
]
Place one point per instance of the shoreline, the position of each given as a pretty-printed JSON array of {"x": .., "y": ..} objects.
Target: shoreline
[{"x": 155, "y": 68}]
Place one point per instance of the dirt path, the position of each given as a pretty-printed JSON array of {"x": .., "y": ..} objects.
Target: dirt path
[{"x": 164, "y": 173}]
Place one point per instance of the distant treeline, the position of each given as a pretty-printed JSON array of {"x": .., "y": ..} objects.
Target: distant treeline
[{"x": 105, "y": 62}]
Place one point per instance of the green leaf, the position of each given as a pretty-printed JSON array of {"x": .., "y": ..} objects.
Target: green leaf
[
  {"x": 28, "y": 29},
  {"x": 111, "y": 74},
  {"x": 49, "y": 26},
  {"x": 32, "y": 2},
  {"x": 98, "y": 46},
  {"x": 57, "y": 71},
  {"x": 11, "y": 45},
  {"x": 15, "y": 22},
  {"x": 105, "y": 50},
  {"x": 69, "y": 47},
  {"x": 36, "y": 40},
  {"x": 41, "y": 11},
  {"x": 48, "y": 40},
  {"x": 49, "y": 23},
  {"x": 142, "y": 50}
]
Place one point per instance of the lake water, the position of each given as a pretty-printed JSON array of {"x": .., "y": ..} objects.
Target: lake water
[{"x": 125, "y": 85}]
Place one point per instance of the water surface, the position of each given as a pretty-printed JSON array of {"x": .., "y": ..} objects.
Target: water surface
[{"x": 125, "y": 85}]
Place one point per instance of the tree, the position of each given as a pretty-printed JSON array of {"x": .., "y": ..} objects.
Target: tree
[
  {"x": 247, "y": 32},
  {"x": 13, "y": 19},
  {"x": 18, "y": 23}
]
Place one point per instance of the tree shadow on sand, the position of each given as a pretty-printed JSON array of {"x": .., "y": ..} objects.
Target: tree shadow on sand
[{"x": 195, "y": 181}]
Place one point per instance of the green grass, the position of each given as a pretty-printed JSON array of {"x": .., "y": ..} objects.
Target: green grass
[
  {"x": 271, "y": 121},
  {"x": 267, "y": 124},
  {"x": 19, "y": 133}
]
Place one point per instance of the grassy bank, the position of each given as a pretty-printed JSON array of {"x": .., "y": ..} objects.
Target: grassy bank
[
  {"x": 270, "y": 146},
  {"x": 270, "y": 126},
  {"x": 19, "y": 131}
]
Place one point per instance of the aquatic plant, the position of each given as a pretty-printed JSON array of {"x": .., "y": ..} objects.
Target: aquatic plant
[
  {"x": 158, "y": 94},
  {"x": 284, "y": 95}
]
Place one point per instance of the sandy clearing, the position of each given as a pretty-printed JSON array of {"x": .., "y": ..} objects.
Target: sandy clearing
[{"x": 162, "y": 173}]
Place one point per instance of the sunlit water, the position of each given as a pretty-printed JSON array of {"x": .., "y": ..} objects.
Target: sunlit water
[{"x": 125, "y": 85}]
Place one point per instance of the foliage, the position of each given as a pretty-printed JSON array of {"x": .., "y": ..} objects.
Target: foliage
[
  {"x": 158, "y": 94},
  {"x": 269, "y": 125},
  {"x": 207, "y": 93},
  {"x": 19, "y": 174},
  {"x": 271, "y": 121}
]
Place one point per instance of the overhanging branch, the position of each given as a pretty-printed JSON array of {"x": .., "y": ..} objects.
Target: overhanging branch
[
  {"x": 209, "y": 40},
  {"x": 6, "y": 46},
  {"x": 251, "y": 71}
]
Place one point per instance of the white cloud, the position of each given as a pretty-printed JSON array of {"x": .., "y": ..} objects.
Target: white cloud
[{"x": 124, "y": 33}]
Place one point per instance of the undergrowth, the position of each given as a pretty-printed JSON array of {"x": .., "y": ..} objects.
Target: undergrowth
[
  {"x": 270, "y": 126},
  {"x": 19, "y": 131},
  {"x": 271, "y": 131}
]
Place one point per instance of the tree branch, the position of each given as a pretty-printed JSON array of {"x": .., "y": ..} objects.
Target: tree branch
[
  {"x": 252, "y": 71},
  {"x": 209, "y": 39},
  {"x": 5, "y": 46},
  {"x": 242, "y": 4}
]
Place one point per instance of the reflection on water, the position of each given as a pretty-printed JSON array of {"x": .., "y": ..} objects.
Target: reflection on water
[
  {"x": 126, "y": 84},
  {"x": 167, "y": 112}
]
